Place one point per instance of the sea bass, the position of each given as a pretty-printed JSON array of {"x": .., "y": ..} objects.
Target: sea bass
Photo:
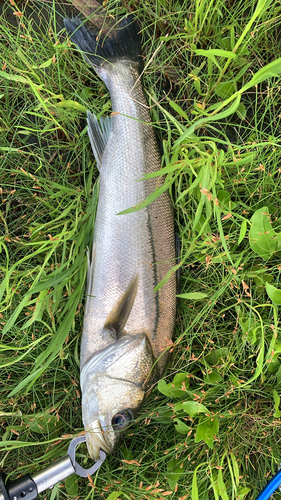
[{"x": 127, "y": 326}]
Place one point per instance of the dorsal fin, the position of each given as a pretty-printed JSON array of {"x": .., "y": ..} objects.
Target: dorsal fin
[
  {"x": 118, "y": 316},
  {"x": 98, "y": 132}
]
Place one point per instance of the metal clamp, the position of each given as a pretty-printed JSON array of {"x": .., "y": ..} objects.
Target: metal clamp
[
  {"x": 29, "y": 487},
  {"x": 78, "y": 469}
]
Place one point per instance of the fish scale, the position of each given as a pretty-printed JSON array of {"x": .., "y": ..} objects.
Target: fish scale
[
  {"x": 127, "y": 326},
  {"x": 128, "y": 239}
]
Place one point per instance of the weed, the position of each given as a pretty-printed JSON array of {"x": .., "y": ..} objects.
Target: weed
[{"x": 211, "y": 428}]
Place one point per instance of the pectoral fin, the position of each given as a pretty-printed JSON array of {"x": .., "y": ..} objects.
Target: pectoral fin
[
  {"x": 118, "y": 316},
  {"x": 98, "y": 132}
]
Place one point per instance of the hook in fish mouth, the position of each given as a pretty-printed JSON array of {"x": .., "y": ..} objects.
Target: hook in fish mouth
[{"x": 95, "y": 439}]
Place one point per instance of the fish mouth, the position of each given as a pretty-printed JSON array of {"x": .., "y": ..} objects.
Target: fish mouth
[{"x": 95, "y": 440}]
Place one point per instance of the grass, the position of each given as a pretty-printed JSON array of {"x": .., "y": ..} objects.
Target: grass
[{"x": 211, "y": 429}]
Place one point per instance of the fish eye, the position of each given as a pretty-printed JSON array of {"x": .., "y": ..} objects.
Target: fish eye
[{"x": 122, "y": 419}]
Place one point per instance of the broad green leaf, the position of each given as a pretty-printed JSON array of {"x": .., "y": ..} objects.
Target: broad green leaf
[
  {"x": 15, "y": 78},
  {"x": 198, "y": 212},
  {"x": 221, "y": 487},
  {"x": 241, "y": 111},
  {"x": 262, "y": 235},
  {"x": 181, "y": 377},
  {"x": 245, "y": 160},
  {"x": 30, "y": 379},
  {"x": 197, "y": 85},
  {"x": 212, "y": 378},
  {"x": 181, "y": 427},
  {"x": 177, "y": 388},
  {"x": 194, "y": 490},
  {"x": 221, "y": 232},
  {"x": 114, "y": 495},
  {"x": 216, "y": 52},
  {"x": 55, "y": 278},
  {"x": 192, "y": 296},
  {"x": 38, "y": 311},
  {"x": 270, "y": 70},
  {"x": 191, "y": 407},
  {"x": 261, "y": 6},
  {"x": 273, "y": 366},
  {"x": 69, "y": 104},
  {"x": 71, "y": 485},
  {"x": 276, "y": 398},
  {"x": 249, "y": 326},
  {"x": 229, "y": 111},
  {"x": 243, "y": 492},
  {"x": 178, "y": 109},
  {"x": 42, "y": 422},
  {"x": 224, "y": 199},
  {"x": 225, "y": 90},
  {"x": 214, "y": 484},
  {"x": 242, "y": 71},
  {"x": 278, "y": 376},
  {"x": 243, "y": 230},
  {"x": 206, "y": 430},
  {"x": 199, "y": 492},
  {"x": 169, "y": 390},
  {"x": 193, "y": 185},
  {"x": 217, "y": 356},
  {"x": 21, "y": 56},
  {"x": 174, "y": 472},
  {"x": 45, "y": 64},
  {"x": 277, "y": 348},
  {"x": 273, "y": 293},
  {"x": 235, "y": 468},
  {"x": 213, "y": 107},
  {"x": 260, "y": 357},
  {"x": 55, "y": 493},
  {"x": 127, "y": 453},
  {"x": 12, "y": 319}
]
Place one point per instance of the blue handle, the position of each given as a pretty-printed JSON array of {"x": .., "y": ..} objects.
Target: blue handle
[{"x": 269, "y": 489}]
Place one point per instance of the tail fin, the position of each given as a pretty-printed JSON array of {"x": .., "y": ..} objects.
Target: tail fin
[{"x": 124, "y": 45}]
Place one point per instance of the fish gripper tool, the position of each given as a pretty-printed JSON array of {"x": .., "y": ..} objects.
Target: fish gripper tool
[{"x": 28, "y": 487}]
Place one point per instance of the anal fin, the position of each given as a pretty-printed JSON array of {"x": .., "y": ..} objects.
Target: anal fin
[
  {"x": 118, "y": 316},
  {"x": 98, "y": 132}
]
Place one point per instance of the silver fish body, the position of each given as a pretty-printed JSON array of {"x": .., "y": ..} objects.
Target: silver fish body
[{"x": 127, "y": 326}]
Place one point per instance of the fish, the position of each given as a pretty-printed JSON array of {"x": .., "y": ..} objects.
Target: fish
[{"x": 127, "y": 325}]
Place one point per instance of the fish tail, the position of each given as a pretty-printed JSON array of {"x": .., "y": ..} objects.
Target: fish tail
[{"x": 123, "y": 44}]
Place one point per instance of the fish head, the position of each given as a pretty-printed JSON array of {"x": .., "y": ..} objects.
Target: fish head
[{"x": 114, "y": 384}]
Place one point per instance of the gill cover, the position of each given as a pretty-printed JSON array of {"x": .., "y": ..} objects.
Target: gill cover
[{"x": 114, "y": 383}]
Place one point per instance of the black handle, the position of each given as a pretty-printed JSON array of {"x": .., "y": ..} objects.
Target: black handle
[{"x": 23, "y": 488}]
